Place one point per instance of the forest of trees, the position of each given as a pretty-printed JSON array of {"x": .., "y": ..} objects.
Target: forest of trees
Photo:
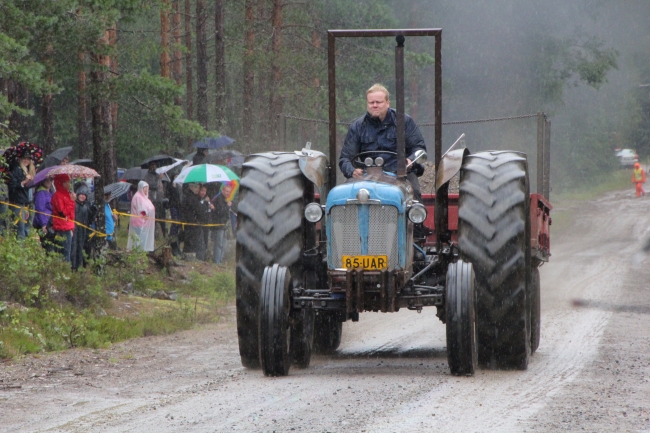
[{"x": 121, "y": 80}]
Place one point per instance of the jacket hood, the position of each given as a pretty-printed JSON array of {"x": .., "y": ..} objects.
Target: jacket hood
[
  {"x": 58, "y": 181},
  {"x": 82, "y": 189}
]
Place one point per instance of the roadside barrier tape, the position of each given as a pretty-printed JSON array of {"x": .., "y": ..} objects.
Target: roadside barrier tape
[
  {"x": 168, "y": 221},
  {"x": 95, "y": 232},
  {"x": 28, "y": 211}
]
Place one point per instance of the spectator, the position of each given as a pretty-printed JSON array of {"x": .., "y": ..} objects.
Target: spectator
[
  {"x": 220, "y": 215},
  {"x": 84, "y": 216},
  {"x": 193, "y": 241},
  {"x": 63, "y": 207},
  {"x": 22, "y": 173},
  {"x": 205, "y": 209},
  {"x": 199, "y": 156},
  {"x": 142, "y": 226},
  {"x": 174, "y": 195},
  {"x": 4, "y": 196},
  {"x": 157, "y": 194},
  {"x": 43, "y": 215},
  {"x": 110, "y": 223}
]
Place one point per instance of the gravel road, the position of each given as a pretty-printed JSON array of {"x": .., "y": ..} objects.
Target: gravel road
[{"x": 591, "y": 372}]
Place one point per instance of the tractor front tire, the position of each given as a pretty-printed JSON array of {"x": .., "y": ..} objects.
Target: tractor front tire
[
  {"x": 461, "y": 319},
  {"x": 269, "y": 231},
  {"x": 274, "y": 325},
  {"x": 494, "y": 235}
]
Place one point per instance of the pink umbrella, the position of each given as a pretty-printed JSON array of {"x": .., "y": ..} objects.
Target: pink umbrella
[{"x": 74, "y": 171}]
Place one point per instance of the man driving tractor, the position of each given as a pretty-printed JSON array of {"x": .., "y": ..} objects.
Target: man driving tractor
[{"x": 376, "y": 131}]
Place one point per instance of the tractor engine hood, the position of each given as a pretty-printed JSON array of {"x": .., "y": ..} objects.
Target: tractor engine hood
[{"x": 379, "y": 193}]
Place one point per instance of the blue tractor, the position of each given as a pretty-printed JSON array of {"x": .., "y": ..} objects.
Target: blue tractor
[{"x": 312, "y": 254}]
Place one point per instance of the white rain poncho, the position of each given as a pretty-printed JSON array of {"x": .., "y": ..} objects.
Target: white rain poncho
[{"x": 142, "y": 226}]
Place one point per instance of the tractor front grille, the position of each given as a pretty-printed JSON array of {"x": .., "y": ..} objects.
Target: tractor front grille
[{"x": 364, "y": 230}]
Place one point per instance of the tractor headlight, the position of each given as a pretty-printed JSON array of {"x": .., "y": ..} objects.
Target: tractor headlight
[
  {"x": 313, "y": 212},
  {"x": 417, "y": 213}
]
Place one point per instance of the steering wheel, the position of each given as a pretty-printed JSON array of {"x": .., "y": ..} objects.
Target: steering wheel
[{"x": 357, "y": 161}]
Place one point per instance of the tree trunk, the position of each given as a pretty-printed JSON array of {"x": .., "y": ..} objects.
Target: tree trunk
[
  {"x": 82, "y": 109},
  {"x": 248, "y": 72},
  {"x": 164, "y": 40},
  {"x": 189, "y": 70},
  {"x": 220, "y": 72},
  {"x": 275, "y": 98},
  {"x": 201, "y": 64},
  {"x": 47, "y": 114},
  {"x": 177, "y": 66},
  {"x": 18, "y": 95},
  {"x": 102, "y": 124},
  {"x": 112, "y": 41}
]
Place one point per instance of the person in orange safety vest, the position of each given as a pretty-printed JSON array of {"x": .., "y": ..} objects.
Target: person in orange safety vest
[{"x": 638, "y": 178}]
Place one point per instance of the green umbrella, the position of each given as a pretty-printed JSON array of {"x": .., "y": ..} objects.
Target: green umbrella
[{"x": 206, "y": 173}]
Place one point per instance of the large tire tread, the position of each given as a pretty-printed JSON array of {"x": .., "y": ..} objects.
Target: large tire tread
[
  {"x": 269, "y": 231},
  {"x": 493, "y": 231}
]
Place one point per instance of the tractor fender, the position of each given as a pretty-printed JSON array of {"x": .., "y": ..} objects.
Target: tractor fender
[
  {"x": 312, "y": 163},
  {"x": 450, "y": 164},
  {"x": 314, "y": 166}
]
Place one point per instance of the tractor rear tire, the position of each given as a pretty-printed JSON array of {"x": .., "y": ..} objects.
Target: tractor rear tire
[
  {"x": 461, "y": 319},
  {"x": 328, "y": 331},
  {"x": 535, "y": 310},
  {"x": 494, "y": 235},
  {"x": 269, "y": 231},
  {"x": 274, "y": 325}
]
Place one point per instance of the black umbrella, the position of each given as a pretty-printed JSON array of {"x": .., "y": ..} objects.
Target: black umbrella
[
  {"x": 160, "y": 161},
  {"x": 85, "y": 162},
  {"x": 137, "y": 174},
  {"x": 56, "y": 157},
  {"x": 116, "y": 189},
  {"x": 229, "y": 157},
  {"x": 214, "y": 143}
]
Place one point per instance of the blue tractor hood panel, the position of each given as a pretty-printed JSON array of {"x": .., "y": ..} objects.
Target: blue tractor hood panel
[{"x": 389, "y": 195}]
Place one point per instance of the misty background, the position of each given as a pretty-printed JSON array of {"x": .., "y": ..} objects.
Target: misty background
[
  {"x": 503, "y": 58},
  {"x": 581, "y": 62}
]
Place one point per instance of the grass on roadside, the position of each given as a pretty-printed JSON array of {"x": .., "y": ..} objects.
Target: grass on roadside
[
  {"x": 606, "y": 182},
  {"x": 44, "y": 306},
  {"x": 565, "y": 203}
]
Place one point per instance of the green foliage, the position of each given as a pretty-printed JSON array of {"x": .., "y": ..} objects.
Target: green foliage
[
  {"x": 27, "y": 272},
  {"x": 590, "y": 60},
  {"x": 45, "y": 306},
  {"x": 218, "y": 286},
  {"x": 25, "y": 331}
]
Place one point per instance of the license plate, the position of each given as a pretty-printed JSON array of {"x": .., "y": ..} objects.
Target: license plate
[{"x": 371, "y": 263}]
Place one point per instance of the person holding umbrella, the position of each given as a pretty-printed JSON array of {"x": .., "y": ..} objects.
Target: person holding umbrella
[
  {"x": 22, "y": 173},
  {"x": 63, "y": 207},
  {"x": 191, "y": 213},
  {"x": 220, "y": 215}
]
